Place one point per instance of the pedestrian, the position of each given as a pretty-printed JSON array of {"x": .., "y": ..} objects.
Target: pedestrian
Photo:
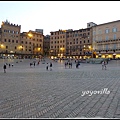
[
  {"x": 12, "y": 65},
  {"x": 9, "y": 65},
  {"x": 38, "y": 62},
  {"x": 34, "y": 64},
  {"x": 102, "y": 65},
  {"x": 65, "y": 64},
  {"x": 50, "y": 66},
  {"x": 47, "y": 67},
  {"x": 71, "y": 64},
  {"x": 77, "y": 65},
  {"x": 105, "y": 65},
  {"x": 4, "y": 67},
  {"x": 30, "y": 64}
]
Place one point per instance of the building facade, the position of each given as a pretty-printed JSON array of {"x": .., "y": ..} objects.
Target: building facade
[
  {"x": 31, "y": 43},
  {"x": 79, "y": 43},
  {"x": 58, "y": 43},
  {"x": 106, "y": 39},
  {"x": 71, "y": 43},
  {"x": 9, "y": 39},
  {"x": 15, "y": 44}
]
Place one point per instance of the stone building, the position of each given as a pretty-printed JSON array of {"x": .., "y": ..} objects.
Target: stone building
[
  {"x": 9, "y": 39},
  {"x": 71, "y": 43},
  {"x": 106, "y": 39},
  {"x": 31, "y": 43}
]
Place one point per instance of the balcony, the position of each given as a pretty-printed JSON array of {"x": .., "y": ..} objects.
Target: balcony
[{"x": 110, "y": 40}]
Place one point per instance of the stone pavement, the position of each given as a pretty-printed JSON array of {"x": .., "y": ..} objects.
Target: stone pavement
[{"x": 33, "y": 92}]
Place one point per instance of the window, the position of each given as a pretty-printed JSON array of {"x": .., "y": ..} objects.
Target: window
[
  {"x": 106, "y": 38},
  {"x": 114, "y": 36},
  {"x": 99, "y": 38},
  {"x": 99, "y": 47},
  {"x": 114, "y": 46},
  {"x": 107, "y": 31},
  {"x": 106, "y": 47},
  {"x": 99, "y": 31},
  {"x": 114, "y": 29}
]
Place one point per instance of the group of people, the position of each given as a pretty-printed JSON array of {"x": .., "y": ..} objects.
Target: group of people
[
  {"x": 5, "y": 66},
  {"x": 68, "y": 64},
  {"x": 49, "y": 65}
]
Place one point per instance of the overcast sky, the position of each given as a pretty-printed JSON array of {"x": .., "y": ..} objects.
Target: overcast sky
[{"x": 55, "y": 15}]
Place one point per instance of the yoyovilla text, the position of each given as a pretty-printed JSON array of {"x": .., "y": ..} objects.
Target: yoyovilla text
[{"x": 90, "y": 93}]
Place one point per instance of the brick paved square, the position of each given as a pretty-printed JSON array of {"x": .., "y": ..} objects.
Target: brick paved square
[{"x": 33, "y": 92}]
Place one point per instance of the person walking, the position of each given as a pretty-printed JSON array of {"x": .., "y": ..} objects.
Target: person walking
[
  {"x": 102, "y": 65},
  {"x": 65, "y": 65},
  {"x": 71, "y": 64},
  {"x": 4, "y": 67},
  {"x": 105, "y": 65},
  {"x": 30, "y": 64},
  {"x": 47, "y": 67},
  {"x": 9, "y": 65},
  {"x": 34, "y": 64},
  {"x": 50, "y": 66}
]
